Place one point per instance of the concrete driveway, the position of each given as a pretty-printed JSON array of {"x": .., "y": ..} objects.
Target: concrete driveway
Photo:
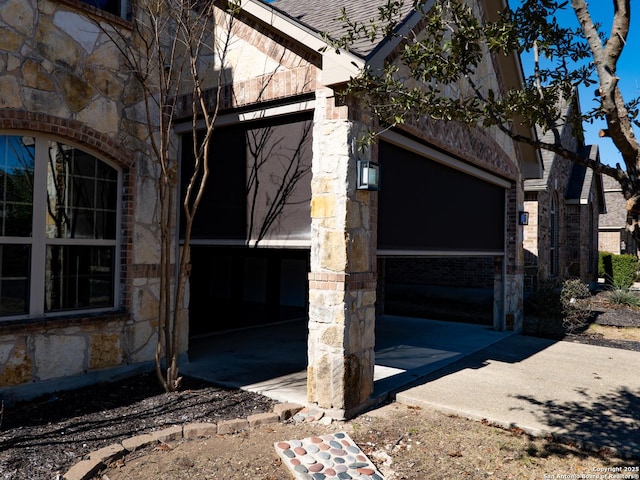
[
  {"x": 272, "y": 360},
  {"x": 582, "y": 393}
]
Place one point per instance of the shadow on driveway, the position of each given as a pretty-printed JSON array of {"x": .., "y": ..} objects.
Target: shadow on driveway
[{"x": 580, "y": 393}]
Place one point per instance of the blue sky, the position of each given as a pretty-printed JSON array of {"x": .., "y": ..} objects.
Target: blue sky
[{"x": 628, "y": 70}]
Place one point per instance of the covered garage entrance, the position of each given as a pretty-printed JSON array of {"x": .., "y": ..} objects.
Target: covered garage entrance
[
  {"x": 441, "y": 235},
  {"x": 234, "y": 288},
  {"x": 251, "y": 236}
]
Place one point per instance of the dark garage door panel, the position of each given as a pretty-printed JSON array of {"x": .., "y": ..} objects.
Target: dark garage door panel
[{"x": 425, "y": 205}]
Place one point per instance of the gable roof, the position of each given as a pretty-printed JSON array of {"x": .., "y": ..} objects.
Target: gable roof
[
  {"x": 582, "y": 179},
  {"x": 541, "y": 183},
  {"x": 549, "y": 157}
]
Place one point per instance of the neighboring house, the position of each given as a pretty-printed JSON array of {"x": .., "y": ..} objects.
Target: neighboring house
[
  {"x": 563, "y": 207},
  {"x": 613, "y": 236},
  {"x": 79, "y": 301}
]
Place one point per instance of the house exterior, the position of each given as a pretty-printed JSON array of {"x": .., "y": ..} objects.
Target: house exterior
[
  {"x": 563, "y": 208},
  {"x": 80, "y": 289},
  {"x": 613, "y": 236}
]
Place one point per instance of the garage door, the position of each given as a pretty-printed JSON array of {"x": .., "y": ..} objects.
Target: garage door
[{"x": 436, "y": 205}]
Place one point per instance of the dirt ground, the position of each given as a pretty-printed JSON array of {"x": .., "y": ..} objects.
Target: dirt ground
[
  {"x": 44, "y": 438},
  {"x": 404, "y": 443}
]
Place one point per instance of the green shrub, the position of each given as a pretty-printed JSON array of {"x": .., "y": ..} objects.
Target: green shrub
[
  {"x": 601, "y": 255},
  {"x": 625, "y": 269}
]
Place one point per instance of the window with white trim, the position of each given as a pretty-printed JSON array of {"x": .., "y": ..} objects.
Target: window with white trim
[{"x": 59, "y": 211}]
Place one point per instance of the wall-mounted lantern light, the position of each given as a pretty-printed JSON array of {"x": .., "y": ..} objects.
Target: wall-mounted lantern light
[
  {"x": 368, "y": 175},
  {"x": 523, "y": 218}
]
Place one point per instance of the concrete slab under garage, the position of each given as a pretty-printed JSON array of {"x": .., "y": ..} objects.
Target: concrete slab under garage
[{"x": 272, "y": 360}]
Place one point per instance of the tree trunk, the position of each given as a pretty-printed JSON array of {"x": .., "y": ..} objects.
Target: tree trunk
[{"x": 633, "y": 216}]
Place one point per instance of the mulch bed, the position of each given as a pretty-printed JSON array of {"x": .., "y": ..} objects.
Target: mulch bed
[
  {"x": 613, "y": 317},
  {"x": 606, "y": 314},
  {"x": 43, "y": 438}
]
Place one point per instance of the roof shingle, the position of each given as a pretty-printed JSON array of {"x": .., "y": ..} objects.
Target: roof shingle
[{"x": 323, "y": 16}]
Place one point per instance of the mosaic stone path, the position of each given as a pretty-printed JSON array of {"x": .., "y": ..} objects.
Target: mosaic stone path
[{"x": 328, "y": 457}]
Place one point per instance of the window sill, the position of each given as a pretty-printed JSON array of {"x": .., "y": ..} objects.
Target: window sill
[{"x": 65, "y": 321}]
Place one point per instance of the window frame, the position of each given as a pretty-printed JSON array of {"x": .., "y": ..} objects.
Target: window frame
[
  {"x": 125, "y": 14},
  {"x": 39, "y": 242},
  {"x": 554, "y": 234}
]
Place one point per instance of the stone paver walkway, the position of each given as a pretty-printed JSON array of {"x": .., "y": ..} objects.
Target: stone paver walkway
[{"x": 328, "y": 457}]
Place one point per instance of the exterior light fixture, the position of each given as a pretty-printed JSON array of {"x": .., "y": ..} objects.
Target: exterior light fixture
[
  {"x": 368, "y": 175},
  {"x": 523, "y": 218}
]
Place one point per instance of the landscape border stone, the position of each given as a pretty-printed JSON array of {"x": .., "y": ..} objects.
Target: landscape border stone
[
  {"x": 169, "y": 434},
  {"x": 139, "y": 441},
  {"x": 108, "y": 453},
  {"x": 232, "y": 426},
  {"x": 99, "y": 459},
  {"x": 258, "y": 419}
]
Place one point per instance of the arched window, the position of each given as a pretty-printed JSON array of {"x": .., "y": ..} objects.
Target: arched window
[
  {"x": 554, "y": 251},
  {"x": 58, "y": 237}
]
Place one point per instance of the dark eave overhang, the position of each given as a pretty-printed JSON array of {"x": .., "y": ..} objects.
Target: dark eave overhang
[
  {"x": 512, "y": 77},
  {"x": 337, "y": 68}
]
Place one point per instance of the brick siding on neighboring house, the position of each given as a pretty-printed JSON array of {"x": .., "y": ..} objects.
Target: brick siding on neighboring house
[
  {"x": 610, "y": 241},
  {"x": 576, "y": 218},
  {"x": 613, "y": 237}
]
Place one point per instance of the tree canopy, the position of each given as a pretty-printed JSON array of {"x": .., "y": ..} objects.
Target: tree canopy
[{"x": 444, "y": 52}]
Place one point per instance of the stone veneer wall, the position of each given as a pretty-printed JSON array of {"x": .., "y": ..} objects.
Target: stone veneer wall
[
  {"x": 61, "y": 75},
  {"x": 342, "y": 281},
  {"x": 512, "y": 317}
]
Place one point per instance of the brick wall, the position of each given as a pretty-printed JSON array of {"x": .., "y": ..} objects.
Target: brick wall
[
  {"x": 612, "y": 224},
  {"x": 476, "y": 272},
  {"x": 609, "y": 240}
]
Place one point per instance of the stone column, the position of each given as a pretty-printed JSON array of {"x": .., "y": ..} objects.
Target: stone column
[
  {"x": 499, "y": 300},
  {"x": 342, "y": 281},
  {"x": 509, "y": 270},
  {"x": 514, "y": 278}
]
